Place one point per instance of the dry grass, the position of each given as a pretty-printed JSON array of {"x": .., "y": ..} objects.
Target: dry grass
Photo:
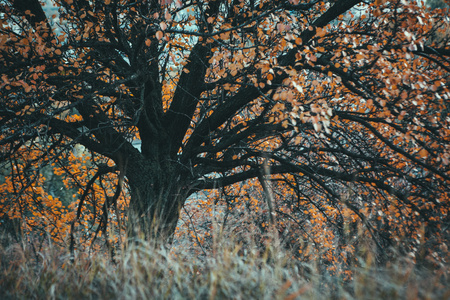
[{"x": 147, "y": 272}]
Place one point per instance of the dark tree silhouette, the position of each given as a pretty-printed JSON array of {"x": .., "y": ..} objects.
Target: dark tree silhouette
[{"x": 333, "y": 92}]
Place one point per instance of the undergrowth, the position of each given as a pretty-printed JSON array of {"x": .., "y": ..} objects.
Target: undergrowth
[{"x": 145, "y": 271}]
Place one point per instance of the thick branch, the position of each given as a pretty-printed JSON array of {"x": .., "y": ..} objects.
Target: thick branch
[{"x": 186, "y": 97}]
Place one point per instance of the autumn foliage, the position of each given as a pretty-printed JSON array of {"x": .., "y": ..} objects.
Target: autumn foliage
[{"x": 323, "y": 126}]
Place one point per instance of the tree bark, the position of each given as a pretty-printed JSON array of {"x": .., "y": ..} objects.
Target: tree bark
[{"x": 158, "y": 192}]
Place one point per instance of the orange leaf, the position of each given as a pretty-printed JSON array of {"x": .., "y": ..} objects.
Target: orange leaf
[
  {"x": 423, "y": 153},
  {"x": 168, "y": 16},
  {"x": 320, "y": 32}
]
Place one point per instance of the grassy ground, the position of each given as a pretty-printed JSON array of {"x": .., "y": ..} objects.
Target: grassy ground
[{"x": 147, "y": 272}]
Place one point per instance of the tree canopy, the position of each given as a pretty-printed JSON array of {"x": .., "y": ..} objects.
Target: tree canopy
[{"x": 337, "y": 107}]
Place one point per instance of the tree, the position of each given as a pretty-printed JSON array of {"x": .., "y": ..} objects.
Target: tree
[{"x": 330, "y": 97}]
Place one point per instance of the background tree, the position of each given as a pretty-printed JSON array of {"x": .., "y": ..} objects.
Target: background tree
[{"x": 332, "y": 99}]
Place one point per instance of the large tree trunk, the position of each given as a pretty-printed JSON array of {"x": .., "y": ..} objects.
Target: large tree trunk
[{"x": 157, "y": 195}]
